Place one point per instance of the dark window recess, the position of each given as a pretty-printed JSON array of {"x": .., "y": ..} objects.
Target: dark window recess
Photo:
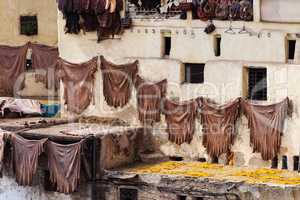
[
  {"x": 194, "y": 73},
  {"x": 28, "y": 64},
  {"x": 275, "y": 163},
  {"x": 291, "y": 48},
  {"x": 128, "y": 194},
  {"x": 28, "y": 25},
  {"x": 167, "y": 43},
  {"x": 176, "y": 158},
  {"x": 180, "y": 197},
  {"x": 202, "y": 160},
  {"x": 218, "y": 45},
  {"x": 284, "y": 162},
  {"x": 257, "y": 85},
  {"x": 215, "y": 160},
  {"x": 296, "y": 163},
  {"x": 48, "y": 185}
]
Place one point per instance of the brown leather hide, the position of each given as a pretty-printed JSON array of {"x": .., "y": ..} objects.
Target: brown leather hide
[
  {"x": 64, "y": 162},
  {"x": 109, "y": 18},
  {"x": 117, "y": 82},
  {"x": 25, "y": 158},
  {"x": 45, "y": 58},
  {"x": 12, "y": 65},
  {"x": 180, "y": 118},
  {"x": 78, "y": 80},
  {"x": 2, "y": 147},
  {"x": 266, "y": 123},
  {"x": 219, "y": 126},
  {"x": 149, "y": 99}
]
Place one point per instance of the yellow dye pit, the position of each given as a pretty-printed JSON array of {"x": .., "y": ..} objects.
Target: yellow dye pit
[{"x": 220, "y": 172}]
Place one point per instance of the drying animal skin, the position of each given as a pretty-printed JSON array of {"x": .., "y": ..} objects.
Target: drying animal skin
[
  {"x": 64, "y": 162},
  {"x": 219, "y": 125},
  {"x": 78, "y": 80},
  {"x": 149, "y": 99},
  {"x": 180, "y": 118},
  {"x": 25, "y": 158},
  {"x": 12, "y": 65},
  {"x": 266, "y": 123},
  {"x": 45, "y": 58},
  {"x": 118, "y": 81}
]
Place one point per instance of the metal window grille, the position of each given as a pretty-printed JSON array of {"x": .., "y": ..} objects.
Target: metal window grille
[
  {"x": 194, "y": 73},
  {"x": 257, "y": 84}
]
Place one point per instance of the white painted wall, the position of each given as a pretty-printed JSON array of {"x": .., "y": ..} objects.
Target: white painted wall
[{"x": 266, "y": 46}]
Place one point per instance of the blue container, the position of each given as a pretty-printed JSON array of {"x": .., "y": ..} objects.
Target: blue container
[{"x": 50, "y": 110}]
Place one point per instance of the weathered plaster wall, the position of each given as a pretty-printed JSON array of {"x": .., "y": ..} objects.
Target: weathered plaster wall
[
  {"x": 10, "y": 190},
  {"x": 11, "y": 10},
  {"x": 265, "y": 47}
]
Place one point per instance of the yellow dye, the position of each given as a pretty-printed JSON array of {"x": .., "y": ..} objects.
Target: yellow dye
[{"x": 196, "y": 169}]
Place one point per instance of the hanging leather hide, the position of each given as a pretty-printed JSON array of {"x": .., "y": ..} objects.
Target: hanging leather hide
[
  {"x": 78, "y": 80},
  {"x": 266, "y": 123},
  {"x": 180, "y": 118},
  {"x": 3, "y": 135},
  {"x": 12, "y": 65},
  {"x": 45, "y": 58},
  {"x": 200, "y": 10},
  {"x": 64, "y": 162},
  {"x": 222, "y": 10},
  {"x": 25, "y": 158},
  {"x": 149, "y": 99},
  {"x": 118, "y": 81},
  {"x": 79, "y": 14},
  {"x": 246, "y": 10},
  {"x": 109, "y": 18},
  {"x": 210, "y": 9},
  {"x": 234, "y": 10},
  {"x": 219, "y": 126}
]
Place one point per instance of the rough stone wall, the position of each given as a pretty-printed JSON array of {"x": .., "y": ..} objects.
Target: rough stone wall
[
  {"x": 11, "y": 10},
  {"x": 156, "y": 190},
  {"x": 223, "y": 75},
  {"x": 10, "y": 190}
]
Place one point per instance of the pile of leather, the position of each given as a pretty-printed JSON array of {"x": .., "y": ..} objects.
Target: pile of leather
[
  {"x": 266, "y": 125},
  {"x": 118, "y": 81},
  {"x": 224, "y": 10},
  {"x": 180, "y": 118},
  {"x": 149, "y": 98},
  {"x": 12, "y": 65},
  {"x": 78, "y": 81},
  {"x": 90, "y": 15},
  {"x": 44, "y": 59},
  {"x": 219, "y": 125}
]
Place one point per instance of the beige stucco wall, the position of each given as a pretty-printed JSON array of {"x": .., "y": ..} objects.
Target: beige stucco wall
[
  {"x": 46, "y": 11},
  {"x": 264, "y": 47}
]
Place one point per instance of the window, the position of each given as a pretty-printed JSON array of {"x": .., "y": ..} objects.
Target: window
[
  {"x": 175, "y": 158},
  {"x": 194, "y": 73},
  {"x": 291, "y": 49},
  {"x": 181, "y": 197},
  {"x": 257, "y": 83},
  {"x": 128, "y": 194},
  {"x": 217, "y": 45},
  {"x": 28, "y": 25},
  {"x": 28, "y": 64},
  {"x": 296, "y": 163},
  {"x": 167, "y": 45}
]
